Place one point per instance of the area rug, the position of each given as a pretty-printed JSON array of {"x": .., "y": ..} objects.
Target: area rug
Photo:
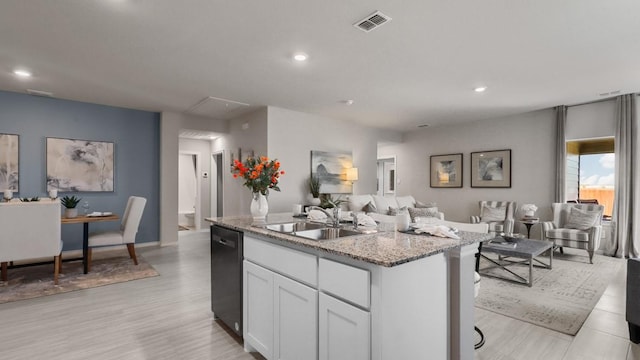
[
  {"x": 106, "y": 268},
  {"x": 561, "y": 299}
]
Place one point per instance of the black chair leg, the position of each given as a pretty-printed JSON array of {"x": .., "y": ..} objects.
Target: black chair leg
[
  {"x": 479, "y": 344},
  {"x": 634, "y": 333}
]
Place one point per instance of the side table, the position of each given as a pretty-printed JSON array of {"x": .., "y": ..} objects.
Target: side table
[{"x": 529, "y": 223}]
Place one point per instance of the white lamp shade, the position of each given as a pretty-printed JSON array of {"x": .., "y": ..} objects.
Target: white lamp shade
[{"x": 352, "y": 174}]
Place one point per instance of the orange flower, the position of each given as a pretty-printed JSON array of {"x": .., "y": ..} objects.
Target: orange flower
[{"x": 282, "y": 172}]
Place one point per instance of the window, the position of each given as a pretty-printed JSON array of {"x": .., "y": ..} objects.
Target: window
[{"x": 591, "y": 172}]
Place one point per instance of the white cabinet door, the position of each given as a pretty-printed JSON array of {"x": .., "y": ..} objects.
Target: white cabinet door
[
  {"x": 258, "y": 308},
  {"x": 296, "y": 320},
  {"x": 344, "y": 330}
]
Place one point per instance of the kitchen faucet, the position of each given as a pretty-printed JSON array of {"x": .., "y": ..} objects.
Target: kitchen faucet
[{"x": 335, "y": 217}]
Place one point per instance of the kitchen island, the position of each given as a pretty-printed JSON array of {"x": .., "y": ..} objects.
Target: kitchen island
[{"x": 387, "y": 295}]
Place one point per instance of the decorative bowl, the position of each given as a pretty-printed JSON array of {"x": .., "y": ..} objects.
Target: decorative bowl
[{"x": 513, "y": 237}]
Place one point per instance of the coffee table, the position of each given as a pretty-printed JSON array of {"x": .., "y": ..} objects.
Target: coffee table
[{"x": 525, "y": 249}]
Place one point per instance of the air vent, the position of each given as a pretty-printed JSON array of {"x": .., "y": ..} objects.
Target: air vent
[
  {"x": 218, "y": 108},
  {"x": 372, "y": 21},
  {"x": 39, "y": 93}
]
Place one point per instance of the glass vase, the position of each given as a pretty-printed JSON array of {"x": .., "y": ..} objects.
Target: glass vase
[{"x": 259, "y": 207}]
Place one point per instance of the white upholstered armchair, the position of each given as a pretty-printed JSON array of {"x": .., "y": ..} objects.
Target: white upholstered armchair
[
  {"x": 499, "y": 215},
  {"x": 30, "y": 230},
  {"x": 575, "y": 226}
]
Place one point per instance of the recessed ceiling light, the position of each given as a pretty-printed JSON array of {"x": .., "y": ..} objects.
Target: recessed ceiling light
[
  {"x": 348, "y": 102},
  {"x": 22, "y": 73},
  {"x": 480, "y": 89},
  {"x": 300, "y": 57}
]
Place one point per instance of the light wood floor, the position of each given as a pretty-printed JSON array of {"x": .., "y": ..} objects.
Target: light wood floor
[
  {"x": 603, "y": 336},
  {"x": 169, "y": 317}
]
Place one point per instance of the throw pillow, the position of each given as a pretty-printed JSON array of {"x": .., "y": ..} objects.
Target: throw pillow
[
  {"x": 420, "y": 204},
  {"x": 397, "y": 211},
  {"x": 423, "y": 212},
  {"x": 581, "y": 219},
  {"x": 370, "y": 207},
  {"x": 490, "y": 214}
]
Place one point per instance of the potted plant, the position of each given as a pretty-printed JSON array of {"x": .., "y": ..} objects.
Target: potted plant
[
  {"x": 314, "y": 189},
  {"x": 70, "y": 203}
]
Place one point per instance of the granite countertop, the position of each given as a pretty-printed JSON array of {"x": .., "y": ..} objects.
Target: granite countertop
[{"x": 387, "y": 247}]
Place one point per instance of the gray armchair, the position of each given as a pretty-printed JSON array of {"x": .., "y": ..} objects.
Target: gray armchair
[
  {"x": 565, "y": 233},
  {"x": 633, "y": 294},
  {"x": 499, "y": 215}
]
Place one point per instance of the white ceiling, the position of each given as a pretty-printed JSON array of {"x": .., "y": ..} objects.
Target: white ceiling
[{"x": 420, "y": 68}]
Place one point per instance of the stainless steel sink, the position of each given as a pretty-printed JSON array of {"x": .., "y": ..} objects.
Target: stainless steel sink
[
  {"x": 294, "y": 227},
  {"x": 326, "y": 233},
  {"x": 312, "y": 231}
]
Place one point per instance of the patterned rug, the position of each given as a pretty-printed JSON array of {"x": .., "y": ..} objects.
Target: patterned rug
[
  {"x": 561, "y": 299},
  {"x": 106, "y": 268}
]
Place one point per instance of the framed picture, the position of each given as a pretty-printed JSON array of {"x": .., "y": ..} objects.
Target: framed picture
[
  {"x": 9, "y": 162},
  {"x": 80, "y": 165},
  {"x": 244, "y": 154},
  {"x": 331, "y": 169},
  {"x": 446, "y": 171},
  {"x": 491, "y": 169}
]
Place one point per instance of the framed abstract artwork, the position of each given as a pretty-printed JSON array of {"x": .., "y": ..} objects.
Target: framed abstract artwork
[
  {"x": 491, "y": 169},
  {"x": 331, "y": 169},
  {"x": 446, "y": 171},
  {"x": 80, "y": 165},
  {"x": 9, "y": 162}
]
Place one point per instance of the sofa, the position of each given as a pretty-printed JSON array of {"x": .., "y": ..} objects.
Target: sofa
[
  {"x": 385, "y": 208},
  {"x": 30, "y": 230}
]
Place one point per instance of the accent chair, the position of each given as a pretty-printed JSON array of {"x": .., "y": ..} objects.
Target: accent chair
[
  {"x": 576, "y": 226},
  {"x": 499, "y": 215},
  {"x": 127, "y": 233}
]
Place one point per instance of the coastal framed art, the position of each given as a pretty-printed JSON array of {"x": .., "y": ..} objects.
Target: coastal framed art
[
  {"x": 9, "y": 162},
  {"x": 331, "y": 169},
  {"x": 80, "y": 165},
  {"x": 446, "y": 171},
  {"x": 491, "y": 169}
]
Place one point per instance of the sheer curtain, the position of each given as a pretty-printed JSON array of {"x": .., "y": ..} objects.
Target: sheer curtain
[
  {"x": 561, "y": 153},
  {"x": 627, "y": 198}
]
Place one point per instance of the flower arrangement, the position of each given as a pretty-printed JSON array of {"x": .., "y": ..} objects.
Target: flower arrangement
[
  {"x": 529, "y": 207},
  {"x": 259, "y": 173}
]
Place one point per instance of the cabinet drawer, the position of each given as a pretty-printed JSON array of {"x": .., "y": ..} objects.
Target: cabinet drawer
[
  {"x": 292, "y": 263},
  {"x": 347, "y": 282}
]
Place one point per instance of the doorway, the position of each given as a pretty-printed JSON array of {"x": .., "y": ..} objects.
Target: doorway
[
  {"x": 188, "y": 191},
  {"x": 387, "y": 176},
  {"x": 217, "y": 159}
]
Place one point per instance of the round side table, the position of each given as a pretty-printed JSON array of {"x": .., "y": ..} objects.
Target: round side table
[{"x": 529, "y": 223}]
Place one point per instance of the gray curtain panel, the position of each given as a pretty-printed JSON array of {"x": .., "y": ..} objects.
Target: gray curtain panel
[
  {"x": 561, "y": 153},
  {"x": 627, "y": 198}
]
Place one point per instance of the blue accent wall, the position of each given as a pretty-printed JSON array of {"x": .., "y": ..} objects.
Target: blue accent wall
[{"x": 136, "y": 135}]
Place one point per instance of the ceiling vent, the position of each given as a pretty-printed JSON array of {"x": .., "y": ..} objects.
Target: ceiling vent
[
  {"x": 218, "y": 108},
  {"x": 372, "y": 21}
]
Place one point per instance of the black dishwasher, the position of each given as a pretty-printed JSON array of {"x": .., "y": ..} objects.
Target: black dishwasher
[{"x": 226, "y": 276}]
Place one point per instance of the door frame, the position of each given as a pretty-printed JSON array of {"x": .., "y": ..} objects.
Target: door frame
[{"x": 217, "y": 197}]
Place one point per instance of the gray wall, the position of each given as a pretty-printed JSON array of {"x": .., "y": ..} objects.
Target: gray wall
[
  {"x": 135, "y": 134},
  {"x": 248, "y": 132},
  {"x": 292, "y": 136},
  {"x": 531, "y": 138}
]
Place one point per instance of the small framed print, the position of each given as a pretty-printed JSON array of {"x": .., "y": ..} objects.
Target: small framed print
[
  {"x": 491, "y": 169},
  {"x": 446, "y": 171}
]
